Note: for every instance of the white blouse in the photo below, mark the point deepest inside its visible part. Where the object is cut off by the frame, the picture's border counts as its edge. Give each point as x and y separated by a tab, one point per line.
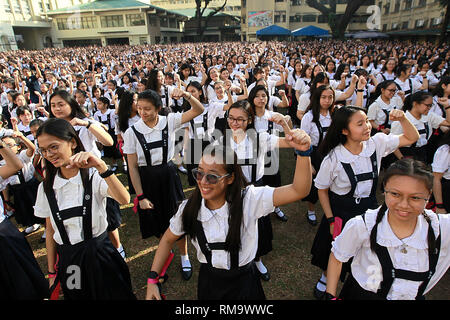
131	144
354	241
27	169
69	194
375	111
332	175
258	202
441	161
310	127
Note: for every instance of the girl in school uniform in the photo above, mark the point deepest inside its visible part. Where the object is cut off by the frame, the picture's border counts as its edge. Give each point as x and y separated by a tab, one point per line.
22	187
63	106
259	101
21	278
221	218
150	147
156	83
436	72
417	107
388	71
302	84
406	83
399	250
72	199
294	76
107	117
441	175
316	124
348	175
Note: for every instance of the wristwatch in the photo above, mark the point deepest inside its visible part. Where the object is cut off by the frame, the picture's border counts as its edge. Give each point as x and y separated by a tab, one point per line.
153	275
306	153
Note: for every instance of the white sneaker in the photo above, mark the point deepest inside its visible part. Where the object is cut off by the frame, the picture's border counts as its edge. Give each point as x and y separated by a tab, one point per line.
122	252
125	166
32	228
182	169
9	214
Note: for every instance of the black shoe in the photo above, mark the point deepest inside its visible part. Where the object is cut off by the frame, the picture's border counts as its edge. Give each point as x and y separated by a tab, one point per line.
282	217
311	222
319	295
265	276
186	273
42	240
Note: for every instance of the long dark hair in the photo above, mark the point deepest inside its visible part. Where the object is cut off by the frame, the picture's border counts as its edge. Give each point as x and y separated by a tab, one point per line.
382	85
314	105
152	81
233	195
63	130
339	121
410	168
124	112
247	108
252	96
418	97
74	106
438	91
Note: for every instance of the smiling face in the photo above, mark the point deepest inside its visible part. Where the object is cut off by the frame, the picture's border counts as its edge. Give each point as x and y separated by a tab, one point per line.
405	197
213	193
147	111
358	128
238	120
56	150
389	92
424	106
60	108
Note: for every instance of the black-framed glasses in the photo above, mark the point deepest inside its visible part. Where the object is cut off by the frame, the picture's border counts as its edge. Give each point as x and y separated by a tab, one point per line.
238	120
51	150
412	200
210	177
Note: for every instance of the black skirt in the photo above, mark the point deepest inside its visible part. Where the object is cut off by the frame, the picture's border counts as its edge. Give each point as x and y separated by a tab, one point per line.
113	217
265	232
345	208
93	270
351	290
416	153
243	283
446	194
316	161
112	151
162	187
21	278
24	198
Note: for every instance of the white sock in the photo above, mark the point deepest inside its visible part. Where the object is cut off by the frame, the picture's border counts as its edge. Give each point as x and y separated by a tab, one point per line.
312	215
279	212
185	263
261	267
320	286
45	233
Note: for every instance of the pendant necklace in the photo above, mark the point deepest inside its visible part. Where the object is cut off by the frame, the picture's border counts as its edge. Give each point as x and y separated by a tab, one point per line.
403	248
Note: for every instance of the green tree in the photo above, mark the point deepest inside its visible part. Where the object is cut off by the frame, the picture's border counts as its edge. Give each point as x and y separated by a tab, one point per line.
202	22
338	23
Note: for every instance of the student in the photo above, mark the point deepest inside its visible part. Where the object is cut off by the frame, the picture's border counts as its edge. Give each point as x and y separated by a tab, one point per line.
72	199
441	175
150	147
63	106
388	71
223	214
259	101
317	121
21	277
417	107
23	186
107	117
347	178
406	84
400	249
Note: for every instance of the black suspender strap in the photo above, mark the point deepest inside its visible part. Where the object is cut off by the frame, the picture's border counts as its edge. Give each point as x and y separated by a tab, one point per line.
84	211
203	124
425	130
21	176
321	130
148	146
207	247
354	179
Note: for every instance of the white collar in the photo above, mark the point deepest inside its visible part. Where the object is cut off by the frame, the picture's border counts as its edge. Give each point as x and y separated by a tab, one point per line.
206	214
60	182
346	156
144	129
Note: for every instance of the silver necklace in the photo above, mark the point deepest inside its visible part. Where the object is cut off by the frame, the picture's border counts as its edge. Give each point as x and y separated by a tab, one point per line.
403	247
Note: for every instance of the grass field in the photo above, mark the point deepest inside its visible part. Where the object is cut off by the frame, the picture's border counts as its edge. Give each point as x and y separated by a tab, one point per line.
292	275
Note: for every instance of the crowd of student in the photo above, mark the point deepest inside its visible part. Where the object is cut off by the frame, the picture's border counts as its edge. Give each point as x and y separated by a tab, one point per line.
219	113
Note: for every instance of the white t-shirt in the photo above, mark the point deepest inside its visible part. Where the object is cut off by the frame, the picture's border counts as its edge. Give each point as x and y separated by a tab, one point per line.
441	161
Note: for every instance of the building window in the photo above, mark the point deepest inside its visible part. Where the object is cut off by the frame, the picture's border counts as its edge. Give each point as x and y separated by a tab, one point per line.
111	21
309	18
280	16
408	4
436	21
135	19
296	2
394	26
7	8
88	23
62	24
422	3
296	18
397	6
322	19
405	25
16	6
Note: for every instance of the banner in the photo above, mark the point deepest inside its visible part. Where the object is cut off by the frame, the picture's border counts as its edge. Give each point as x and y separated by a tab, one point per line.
260	18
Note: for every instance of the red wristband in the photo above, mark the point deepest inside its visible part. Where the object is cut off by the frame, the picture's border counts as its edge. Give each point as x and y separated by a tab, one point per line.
51	275
152	281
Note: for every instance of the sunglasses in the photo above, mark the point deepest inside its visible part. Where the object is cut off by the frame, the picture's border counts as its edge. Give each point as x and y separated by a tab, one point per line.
210	177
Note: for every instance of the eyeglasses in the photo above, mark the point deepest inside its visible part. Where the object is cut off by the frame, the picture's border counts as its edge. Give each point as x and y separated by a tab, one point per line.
11	145
210	177
429	105
238	121
51	150
392	90
412	200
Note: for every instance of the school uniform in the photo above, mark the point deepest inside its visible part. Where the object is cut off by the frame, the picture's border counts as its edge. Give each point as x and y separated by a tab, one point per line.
23	189
305	99
351	181
108	119
302	85
155	148
409	86
227	275
251	153
441	164
438	133
21	278
396	269
78	217
434	77
25	131
317	132
368	89
419	150
383	76
379	112
215	110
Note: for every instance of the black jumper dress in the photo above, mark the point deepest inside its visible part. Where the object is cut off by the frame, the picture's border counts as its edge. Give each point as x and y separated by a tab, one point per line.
418	153
196	144
24	197
351	289
103	273
21	278
161	185
316	160
345	207
238	283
